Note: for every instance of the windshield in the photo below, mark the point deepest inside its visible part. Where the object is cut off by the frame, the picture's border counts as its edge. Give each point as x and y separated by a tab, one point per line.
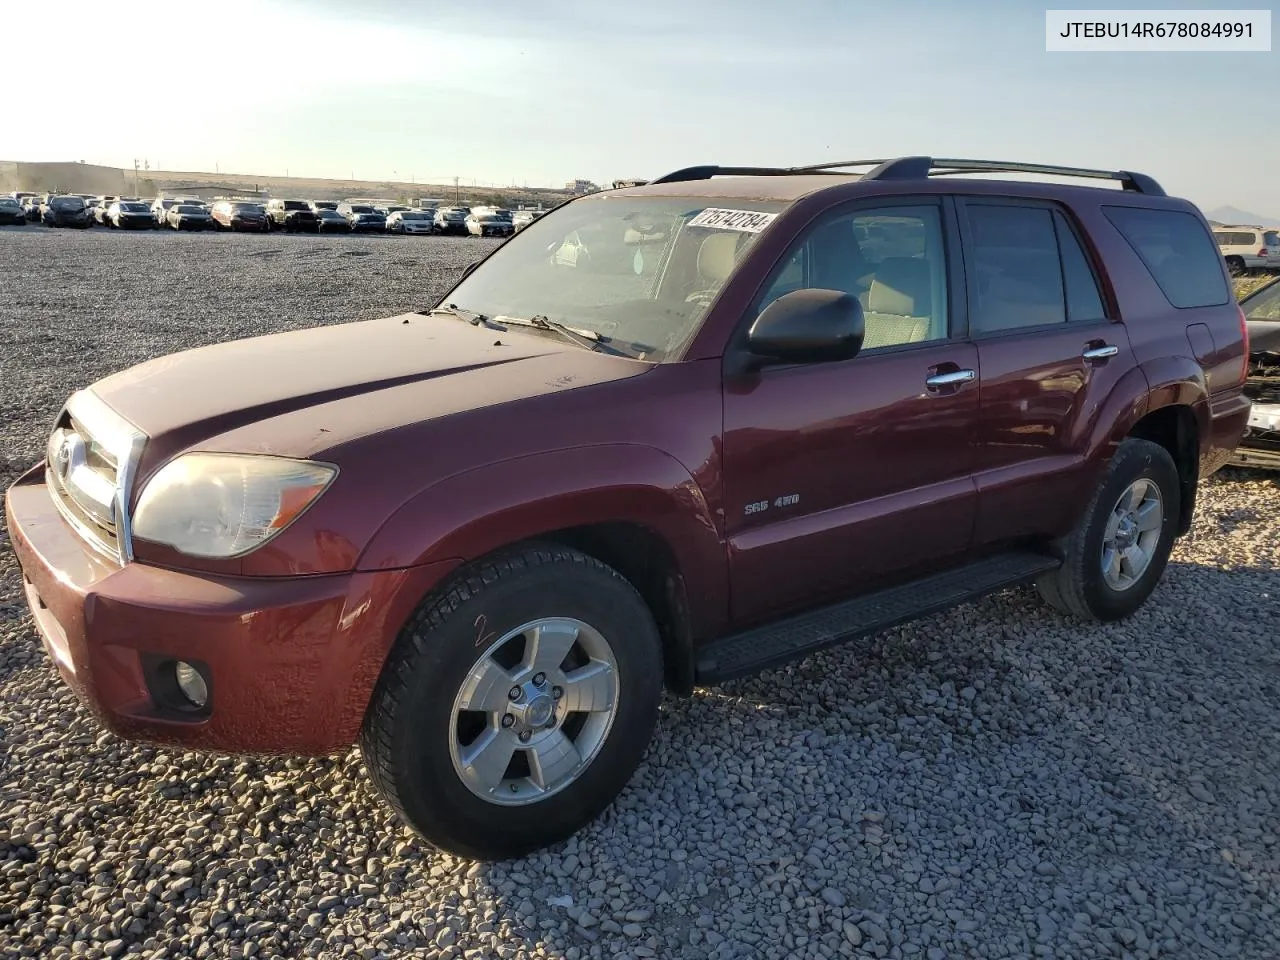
360	208
405	215
295	205
641	271
325	205
8	202
133	207
67	203
189	208
247	207
1265	304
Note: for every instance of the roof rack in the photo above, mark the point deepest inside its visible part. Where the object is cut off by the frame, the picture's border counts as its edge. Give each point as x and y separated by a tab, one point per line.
918	168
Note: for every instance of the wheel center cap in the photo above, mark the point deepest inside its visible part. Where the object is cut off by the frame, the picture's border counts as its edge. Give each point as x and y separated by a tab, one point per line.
539	711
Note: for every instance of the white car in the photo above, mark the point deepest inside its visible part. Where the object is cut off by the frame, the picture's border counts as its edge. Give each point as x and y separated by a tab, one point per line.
1248	247
411	221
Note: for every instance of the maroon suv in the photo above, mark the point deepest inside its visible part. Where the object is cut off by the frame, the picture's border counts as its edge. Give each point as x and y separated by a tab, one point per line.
668	434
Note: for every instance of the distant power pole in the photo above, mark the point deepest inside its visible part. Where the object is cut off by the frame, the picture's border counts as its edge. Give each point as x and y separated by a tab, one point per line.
135	177
457	193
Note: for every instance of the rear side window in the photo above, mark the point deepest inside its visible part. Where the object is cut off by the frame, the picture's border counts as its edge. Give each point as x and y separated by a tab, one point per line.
1271	238
1084	302
1017	276
1178	253
1233	239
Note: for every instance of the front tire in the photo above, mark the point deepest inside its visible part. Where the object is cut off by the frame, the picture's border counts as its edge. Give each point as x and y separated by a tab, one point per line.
1115	556
516	704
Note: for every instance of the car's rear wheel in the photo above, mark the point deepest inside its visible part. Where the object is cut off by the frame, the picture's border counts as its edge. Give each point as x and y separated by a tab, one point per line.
1235	266
516	704
1118	551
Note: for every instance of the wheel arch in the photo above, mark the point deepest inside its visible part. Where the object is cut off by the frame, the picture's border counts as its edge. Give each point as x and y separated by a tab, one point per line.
630	506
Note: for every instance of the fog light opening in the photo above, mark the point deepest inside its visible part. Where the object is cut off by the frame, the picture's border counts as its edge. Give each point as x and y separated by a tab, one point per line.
191	684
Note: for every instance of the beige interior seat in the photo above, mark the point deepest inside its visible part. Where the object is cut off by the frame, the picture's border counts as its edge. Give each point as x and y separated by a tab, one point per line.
716	258
899	303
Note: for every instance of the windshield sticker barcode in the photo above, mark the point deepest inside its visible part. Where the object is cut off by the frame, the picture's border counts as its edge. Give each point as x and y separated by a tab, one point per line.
748	221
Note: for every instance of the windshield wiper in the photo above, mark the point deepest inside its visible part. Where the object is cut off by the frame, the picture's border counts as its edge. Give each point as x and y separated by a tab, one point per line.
471	316
583	338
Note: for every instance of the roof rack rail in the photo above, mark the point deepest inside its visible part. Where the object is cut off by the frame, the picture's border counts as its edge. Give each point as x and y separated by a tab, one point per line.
918	168
707	171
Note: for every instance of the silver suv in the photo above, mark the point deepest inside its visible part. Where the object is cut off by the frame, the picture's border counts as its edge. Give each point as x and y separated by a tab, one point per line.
1248	248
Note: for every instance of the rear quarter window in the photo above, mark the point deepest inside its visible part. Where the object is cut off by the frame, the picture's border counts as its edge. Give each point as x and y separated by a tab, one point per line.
1233	239
1177	251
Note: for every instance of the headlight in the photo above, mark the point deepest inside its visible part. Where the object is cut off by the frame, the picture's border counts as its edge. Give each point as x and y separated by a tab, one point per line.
224	505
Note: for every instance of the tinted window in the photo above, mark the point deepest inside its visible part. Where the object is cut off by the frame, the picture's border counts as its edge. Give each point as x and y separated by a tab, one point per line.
891	259
1017	273
1178	252
1232	239
1271	238
1084	302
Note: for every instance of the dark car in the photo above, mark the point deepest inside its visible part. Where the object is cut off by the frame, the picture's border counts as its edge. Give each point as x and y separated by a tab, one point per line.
1260	446
290	215
11	212
65	210
130	215
331	221
452	219
665	435
239	215
364	218
188	216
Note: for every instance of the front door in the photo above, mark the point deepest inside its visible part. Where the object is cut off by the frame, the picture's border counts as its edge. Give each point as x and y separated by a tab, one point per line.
1050	356
840	476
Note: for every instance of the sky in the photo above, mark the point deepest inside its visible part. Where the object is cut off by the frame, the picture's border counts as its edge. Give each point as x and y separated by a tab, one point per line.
509	92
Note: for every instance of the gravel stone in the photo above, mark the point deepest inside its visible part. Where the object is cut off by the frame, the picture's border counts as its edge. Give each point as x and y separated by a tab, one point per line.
995	781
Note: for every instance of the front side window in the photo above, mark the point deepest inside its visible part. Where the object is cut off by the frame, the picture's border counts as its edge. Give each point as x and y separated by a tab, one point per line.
641	271
891	258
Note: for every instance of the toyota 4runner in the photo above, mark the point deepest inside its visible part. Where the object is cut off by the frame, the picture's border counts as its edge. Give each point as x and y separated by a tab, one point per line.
667	435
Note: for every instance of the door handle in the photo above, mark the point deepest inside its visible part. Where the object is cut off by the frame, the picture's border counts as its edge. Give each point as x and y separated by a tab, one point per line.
1101	352
950	378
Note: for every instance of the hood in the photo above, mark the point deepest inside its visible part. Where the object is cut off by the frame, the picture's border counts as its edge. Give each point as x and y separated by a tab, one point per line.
324	386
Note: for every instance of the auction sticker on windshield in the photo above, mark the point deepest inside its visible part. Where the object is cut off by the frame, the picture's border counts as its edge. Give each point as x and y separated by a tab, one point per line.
748	221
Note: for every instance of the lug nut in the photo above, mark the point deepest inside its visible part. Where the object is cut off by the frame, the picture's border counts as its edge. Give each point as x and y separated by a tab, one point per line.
539	679
508	720
524	736
557	693
513	693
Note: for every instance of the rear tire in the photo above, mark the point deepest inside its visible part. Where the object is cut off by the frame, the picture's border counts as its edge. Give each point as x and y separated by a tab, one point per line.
1108	569
1235	266
430	716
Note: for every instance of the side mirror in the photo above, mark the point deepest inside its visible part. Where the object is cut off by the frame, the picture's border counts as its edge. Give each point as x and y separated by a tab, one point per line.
469	269
808	326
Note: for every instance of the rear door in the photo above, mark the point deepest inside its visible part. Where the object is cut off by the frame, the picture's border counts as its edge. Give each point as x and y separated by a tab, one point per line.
1050	354
840	476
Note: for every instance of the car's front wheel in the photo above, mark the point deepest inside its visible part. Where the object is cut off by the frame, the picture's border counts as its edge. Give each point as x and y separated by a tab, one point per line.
1115	556
516	704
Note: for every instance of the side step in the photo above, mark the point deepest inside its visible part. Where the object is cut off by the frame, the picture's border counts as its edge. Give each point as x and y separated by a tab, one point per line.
775	643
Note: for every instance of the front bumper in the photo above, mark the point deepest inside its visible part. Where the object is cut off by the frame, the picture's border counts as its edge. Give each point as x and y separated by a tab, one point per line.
291	662
1260	446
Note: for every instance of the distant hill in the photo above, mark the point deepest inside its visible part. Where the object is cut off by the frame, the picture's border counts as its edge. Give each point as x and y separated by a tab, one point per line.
1229	214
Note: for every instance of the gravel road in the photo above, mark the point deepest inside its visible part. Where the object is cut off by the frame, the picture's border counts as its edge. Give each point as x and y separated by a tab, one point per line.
994	782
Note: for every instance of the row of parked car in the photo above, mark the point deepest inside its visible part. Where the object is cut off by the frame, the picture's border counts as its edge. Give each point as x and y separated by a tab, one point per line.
293	216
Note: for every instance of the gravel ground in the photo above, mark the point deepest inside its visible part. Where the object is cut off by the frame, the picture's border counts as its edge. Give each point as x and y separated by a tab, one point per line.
997	781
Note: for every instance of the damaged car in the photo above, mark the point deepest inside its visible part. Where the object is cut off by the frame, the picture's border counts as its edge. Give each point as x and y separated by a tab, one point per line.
1260	446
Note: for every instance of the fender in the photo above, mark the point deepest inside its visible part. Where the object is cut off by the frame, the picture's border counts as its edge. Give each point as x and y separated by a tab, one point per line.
1164	382
472	513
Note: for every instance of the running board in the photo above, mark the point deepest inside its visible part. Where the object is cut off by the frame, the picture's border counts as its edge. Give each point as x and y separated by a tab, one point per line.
776	643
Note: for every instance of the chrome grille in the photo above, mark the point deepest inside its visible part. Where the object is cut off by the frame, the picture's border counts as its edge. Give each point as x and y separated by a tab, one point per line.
91	457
